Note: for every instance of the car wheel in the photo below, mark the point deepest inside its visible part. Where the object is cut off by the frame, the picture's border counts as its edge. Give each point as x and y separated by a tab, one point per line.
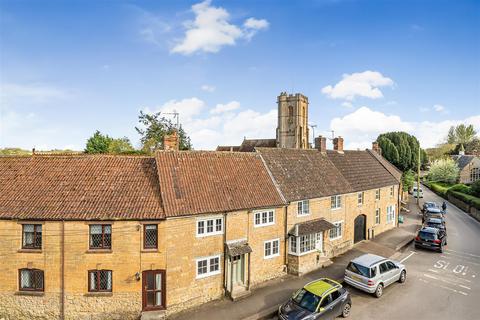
403	277
346	310
379	291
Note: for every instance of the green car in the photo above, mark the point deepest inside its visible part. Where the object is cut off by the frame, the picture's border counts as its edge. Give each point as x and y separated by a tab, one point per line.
319	299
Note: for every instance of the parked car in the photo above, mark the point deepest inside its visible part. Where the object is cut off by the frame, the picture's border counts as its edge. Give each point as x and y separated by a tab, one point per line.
319	299
429	204
372	273
435	223
431	238
432	213
417	192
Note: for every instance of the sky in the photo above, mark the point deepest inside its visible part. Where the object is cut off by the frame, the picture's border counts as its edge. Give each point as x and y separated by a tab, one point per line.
69	68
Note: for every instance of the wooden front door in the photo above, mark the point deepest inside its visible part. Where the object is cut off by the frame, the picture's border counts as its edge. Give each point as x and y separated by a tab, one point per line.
153	290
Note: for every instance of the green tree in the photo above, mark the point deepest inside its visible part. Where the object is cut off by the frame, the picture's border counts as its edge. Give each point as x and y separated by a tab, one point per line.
408	180
98	143
120	145
154	127
443	170
461	134
401	149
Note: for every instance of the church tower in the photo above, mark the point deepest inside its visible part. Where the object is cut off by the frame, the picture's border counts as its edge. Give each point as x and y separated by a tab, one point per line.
292	130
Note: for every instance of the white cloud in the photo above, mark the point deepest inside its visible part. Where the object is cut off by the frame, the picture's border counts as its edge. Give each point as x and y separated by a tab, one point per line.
436	107
225	124
211	30
208	88
439	108
363	125
347	104
221	108
187	108
364	84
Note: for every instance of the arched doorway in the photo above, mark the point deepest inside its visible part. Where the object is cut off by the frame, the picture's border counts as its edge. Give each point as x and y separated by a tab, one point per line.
359	233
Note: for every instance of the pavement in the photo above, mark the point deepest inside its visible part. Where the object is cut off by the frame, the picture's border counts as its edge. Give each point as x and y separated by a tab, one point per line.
264	300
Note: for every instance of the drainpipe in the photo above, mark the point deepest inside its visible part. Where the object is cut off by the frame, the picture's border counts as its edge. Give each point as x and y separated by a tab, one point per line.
62	272
225	265
285	255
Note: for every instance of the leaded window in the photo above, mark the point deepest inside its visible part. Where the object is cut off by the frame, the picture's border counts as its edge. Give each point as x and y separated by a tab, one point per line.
30	280
32	236
100	280
150	236
100	236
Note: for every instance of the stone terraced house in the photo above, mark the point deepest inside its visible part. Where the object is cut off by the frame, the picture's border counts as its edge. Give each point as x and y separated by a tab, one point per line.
122	237
112	237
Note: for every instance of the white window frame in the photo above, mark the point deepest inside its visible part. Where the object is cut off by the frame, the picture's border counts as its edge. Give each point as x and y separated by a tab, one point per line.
390	214
301	211
208	273
313	242
338	202
378	194
377	215
271	255
270	215
474	174
205	221
360	198
338	236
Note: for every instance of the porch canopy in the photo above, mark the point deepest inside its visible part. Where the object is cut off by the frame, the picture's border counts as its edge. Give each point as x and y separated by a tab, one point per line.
238	248
309	227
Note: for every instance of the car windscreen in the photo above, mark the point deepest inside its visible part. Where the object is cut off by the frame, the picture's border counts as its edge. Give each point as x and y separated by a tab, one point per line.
358	269
435	225
306	300
427	235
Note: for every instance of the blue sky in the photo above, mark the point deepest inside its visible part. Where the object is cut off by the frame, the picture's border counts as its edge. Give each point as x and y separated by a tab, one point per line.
68	68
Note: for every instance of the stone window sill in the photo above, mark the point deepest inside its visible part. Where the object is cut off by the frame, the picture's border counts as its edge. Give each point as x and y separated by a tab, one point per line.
149	250
99	251
29	251
30	293
98	294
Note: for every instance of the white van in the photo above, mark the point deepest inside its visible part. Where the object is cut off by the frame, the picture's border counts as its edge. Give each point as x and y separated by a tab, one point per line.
417	192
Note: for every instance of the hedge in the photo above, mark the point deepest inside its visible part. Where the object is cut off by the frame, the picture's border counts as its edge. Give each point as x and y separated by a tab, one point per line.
471	200
439	189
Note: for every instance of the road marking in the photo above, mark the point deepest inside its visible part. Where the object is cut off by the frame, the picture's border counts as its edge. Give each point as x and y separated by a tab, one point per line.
462	252
464	287
404	259
446	281
460	257
434	271
447	288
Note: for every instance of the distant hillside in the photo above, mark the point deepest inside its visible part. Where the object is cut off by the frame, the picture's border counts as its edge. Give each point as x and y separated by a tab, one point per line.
21	152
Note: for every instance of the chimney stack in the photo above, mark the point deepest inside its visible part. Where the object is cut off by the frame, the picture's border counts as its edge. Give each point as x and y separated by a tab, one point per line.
171	141
338	144
321	144
376	147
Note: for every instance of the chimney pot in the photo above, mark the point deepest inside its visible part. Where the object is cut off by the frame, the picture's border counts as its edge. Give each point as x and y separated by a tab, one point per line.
376	147
338	144
171	141
321	144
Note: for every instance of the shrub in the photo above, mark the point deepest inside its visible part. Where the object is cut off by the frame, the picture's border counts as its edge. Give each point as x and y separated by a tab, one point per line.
439	189
475	188
461	188
443	170
471	200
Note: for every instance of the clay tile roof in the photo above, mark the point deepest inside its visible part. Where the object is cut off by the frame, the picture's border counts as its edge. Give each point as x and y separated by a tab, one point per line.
193	182
79	187
228	148
394	171
249	145
309	227
362	169
304	174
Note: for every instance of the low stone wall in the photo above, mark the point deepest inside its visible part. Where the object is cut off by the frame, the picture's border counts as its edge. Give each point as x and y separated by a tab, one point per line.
459	203
22	307
119	306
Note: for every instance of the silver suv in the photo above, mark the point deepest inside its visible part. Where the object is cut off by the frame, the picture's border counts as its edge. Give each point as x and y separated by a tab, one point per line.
372	273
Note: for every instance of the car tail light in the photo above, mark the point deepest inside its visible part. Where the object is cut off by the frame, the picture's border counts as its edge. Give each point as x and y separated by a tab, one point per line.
370	283
417	238
437	241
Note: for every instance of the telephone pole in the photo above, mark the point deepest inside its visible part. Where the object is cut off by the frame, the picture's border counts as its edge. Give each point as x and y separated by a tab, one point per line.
418	176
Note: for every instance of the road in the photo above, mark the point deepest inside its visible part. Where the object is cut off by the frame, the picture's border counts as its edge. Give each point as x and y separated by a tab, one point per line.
439	286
